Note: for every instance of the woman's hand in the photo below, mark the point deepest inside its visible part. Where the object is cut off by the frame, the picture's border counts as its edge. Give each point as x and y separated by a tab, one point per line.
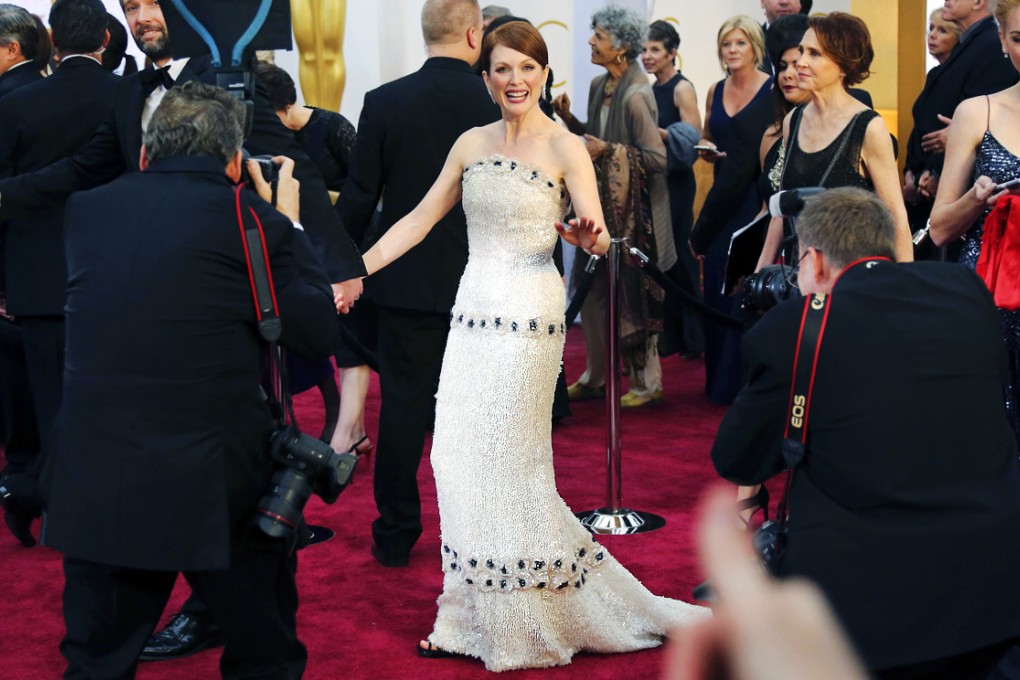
928	184
561	105
582	232
984	191
596	147
708	151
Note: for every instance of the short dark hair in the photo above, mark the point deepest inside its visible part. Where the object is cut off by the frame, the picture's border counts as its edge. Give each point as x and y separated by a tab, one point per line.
17	25
663	31
518	35
278	83
79	26
847	224
847	41
117	47
195	119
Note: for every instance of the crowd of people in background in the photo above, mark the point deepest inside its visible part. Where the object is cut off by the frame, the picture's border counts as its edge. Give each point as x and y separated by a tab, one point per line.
791	111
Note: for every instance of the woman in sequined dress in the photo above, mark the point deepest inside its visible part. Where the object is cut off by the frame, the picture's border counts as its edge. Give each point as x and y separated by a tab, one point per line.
525	585
983	150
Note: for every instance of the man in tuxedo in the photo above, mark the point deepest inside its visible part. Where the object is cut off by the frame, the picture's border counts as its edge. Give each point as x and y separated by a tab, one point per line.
975	67
160	460
114	148
19	39
74	101
906	505
394	160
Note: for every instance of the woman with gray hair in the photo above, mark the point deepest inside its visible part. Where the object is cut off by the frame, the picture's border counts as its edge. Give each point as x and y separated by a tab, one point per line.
622	136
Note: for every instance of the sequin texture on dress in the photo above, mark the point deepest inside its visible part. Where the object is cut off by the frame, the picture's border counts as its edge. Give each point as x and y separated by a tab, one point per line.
524	585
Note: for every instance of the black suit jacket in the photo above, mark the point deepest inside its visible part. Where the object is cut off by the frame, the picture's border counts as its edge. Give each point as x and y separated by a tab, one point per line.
907	505
162	436
974	67
114	149
17	77
406	130
44	122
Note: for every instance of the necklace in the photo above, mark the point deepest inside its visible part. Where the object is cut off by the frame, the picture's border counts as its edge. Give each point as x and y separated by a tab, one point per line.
610	88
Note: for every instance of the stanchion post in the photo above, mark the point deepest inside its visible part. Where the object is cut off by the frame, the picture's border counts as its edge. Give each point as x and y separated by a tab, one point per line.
614	518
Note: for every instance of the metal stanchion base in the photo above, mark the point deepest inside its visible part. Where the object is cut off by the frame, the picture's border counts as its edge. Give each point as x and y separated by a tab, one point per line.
622	521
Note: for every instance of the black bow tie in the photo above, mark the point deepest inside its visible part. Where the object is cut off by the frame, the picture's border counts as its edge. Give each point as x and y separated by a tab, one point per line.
154	77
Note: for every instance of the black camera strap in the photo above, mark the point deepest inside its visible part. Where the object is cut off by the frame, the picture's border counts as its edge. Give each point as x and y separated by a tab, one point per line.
263	292
805	364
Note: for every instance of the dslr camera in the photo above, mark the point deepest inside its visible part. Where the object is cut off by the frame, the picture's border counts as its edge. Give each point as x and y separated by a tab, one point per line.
768	287
270	170
774	283
307	465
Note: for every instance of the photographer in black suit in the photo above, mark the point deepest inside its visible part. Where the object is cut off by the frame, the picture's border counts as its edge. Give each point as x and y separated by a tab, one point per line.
394	160
906	507
73	101
162	437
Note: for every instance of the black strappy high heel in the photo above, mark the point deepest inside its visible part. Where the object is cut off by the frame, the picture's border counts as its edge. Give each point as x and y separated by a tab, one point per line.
759	501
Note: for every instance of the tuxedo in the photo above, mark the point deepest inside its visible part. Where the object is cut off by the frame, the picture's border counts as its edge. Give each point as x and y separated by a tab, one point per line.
976	66
23	74
115	146
162	438
906	507
395	161
73	101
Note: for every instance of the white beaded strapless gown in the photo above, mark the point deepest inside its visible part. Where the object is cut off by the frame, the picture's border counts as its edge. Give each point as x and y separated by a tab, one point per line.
525	585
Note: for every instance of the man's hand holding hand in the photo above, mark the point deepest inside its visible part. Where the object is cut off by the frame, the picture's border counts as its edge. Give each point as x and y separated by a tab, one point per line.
346	293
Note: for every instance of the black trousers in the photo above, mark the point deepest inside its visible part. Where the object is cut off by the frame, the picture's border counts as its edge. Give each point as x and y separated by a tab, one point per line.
44	359
410	353
20	432
110	613
980	664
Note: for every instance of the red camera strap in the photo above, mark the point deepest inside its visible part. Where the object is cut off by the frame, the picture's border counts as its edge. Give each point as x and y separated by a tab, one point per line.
805	365
259	274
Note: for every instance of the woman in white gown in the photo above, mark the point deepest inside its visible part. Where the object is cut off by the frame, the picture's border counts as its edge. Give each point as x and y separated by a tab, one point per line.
525	584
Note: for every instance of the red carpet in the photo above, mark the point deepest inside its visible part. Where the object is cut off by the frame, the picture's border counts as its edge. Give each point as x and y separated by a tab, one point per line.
360	620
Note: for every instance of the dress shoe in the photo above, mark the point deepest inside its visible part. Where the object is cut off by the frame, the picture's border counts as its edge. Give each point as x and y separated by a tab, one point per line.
635	400
183	636
19	521
581	392
387	560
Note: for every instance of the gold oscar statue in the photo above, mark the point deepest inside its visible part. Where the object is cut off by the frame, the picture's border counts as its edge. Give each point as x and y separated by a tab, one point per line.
319	32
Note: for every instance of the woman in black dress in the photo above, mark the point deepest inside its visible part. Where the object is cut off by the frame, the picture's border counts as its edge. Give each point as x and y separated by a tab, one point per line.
834	140
678	103
328	138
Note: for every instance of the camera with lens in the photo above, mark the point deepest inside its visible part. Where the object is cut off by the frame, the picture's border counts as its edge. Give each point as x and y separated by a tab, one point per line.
308	466
770	543
270	170
768	287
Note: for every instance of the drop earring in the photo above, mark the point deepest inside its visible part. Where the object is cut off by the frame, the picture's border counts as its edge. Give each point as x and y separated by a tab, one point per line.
492	97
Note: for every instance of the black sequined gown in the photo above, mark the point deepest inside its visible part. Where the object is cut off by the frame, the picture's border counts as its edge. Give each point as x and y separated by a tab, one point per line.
996	162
